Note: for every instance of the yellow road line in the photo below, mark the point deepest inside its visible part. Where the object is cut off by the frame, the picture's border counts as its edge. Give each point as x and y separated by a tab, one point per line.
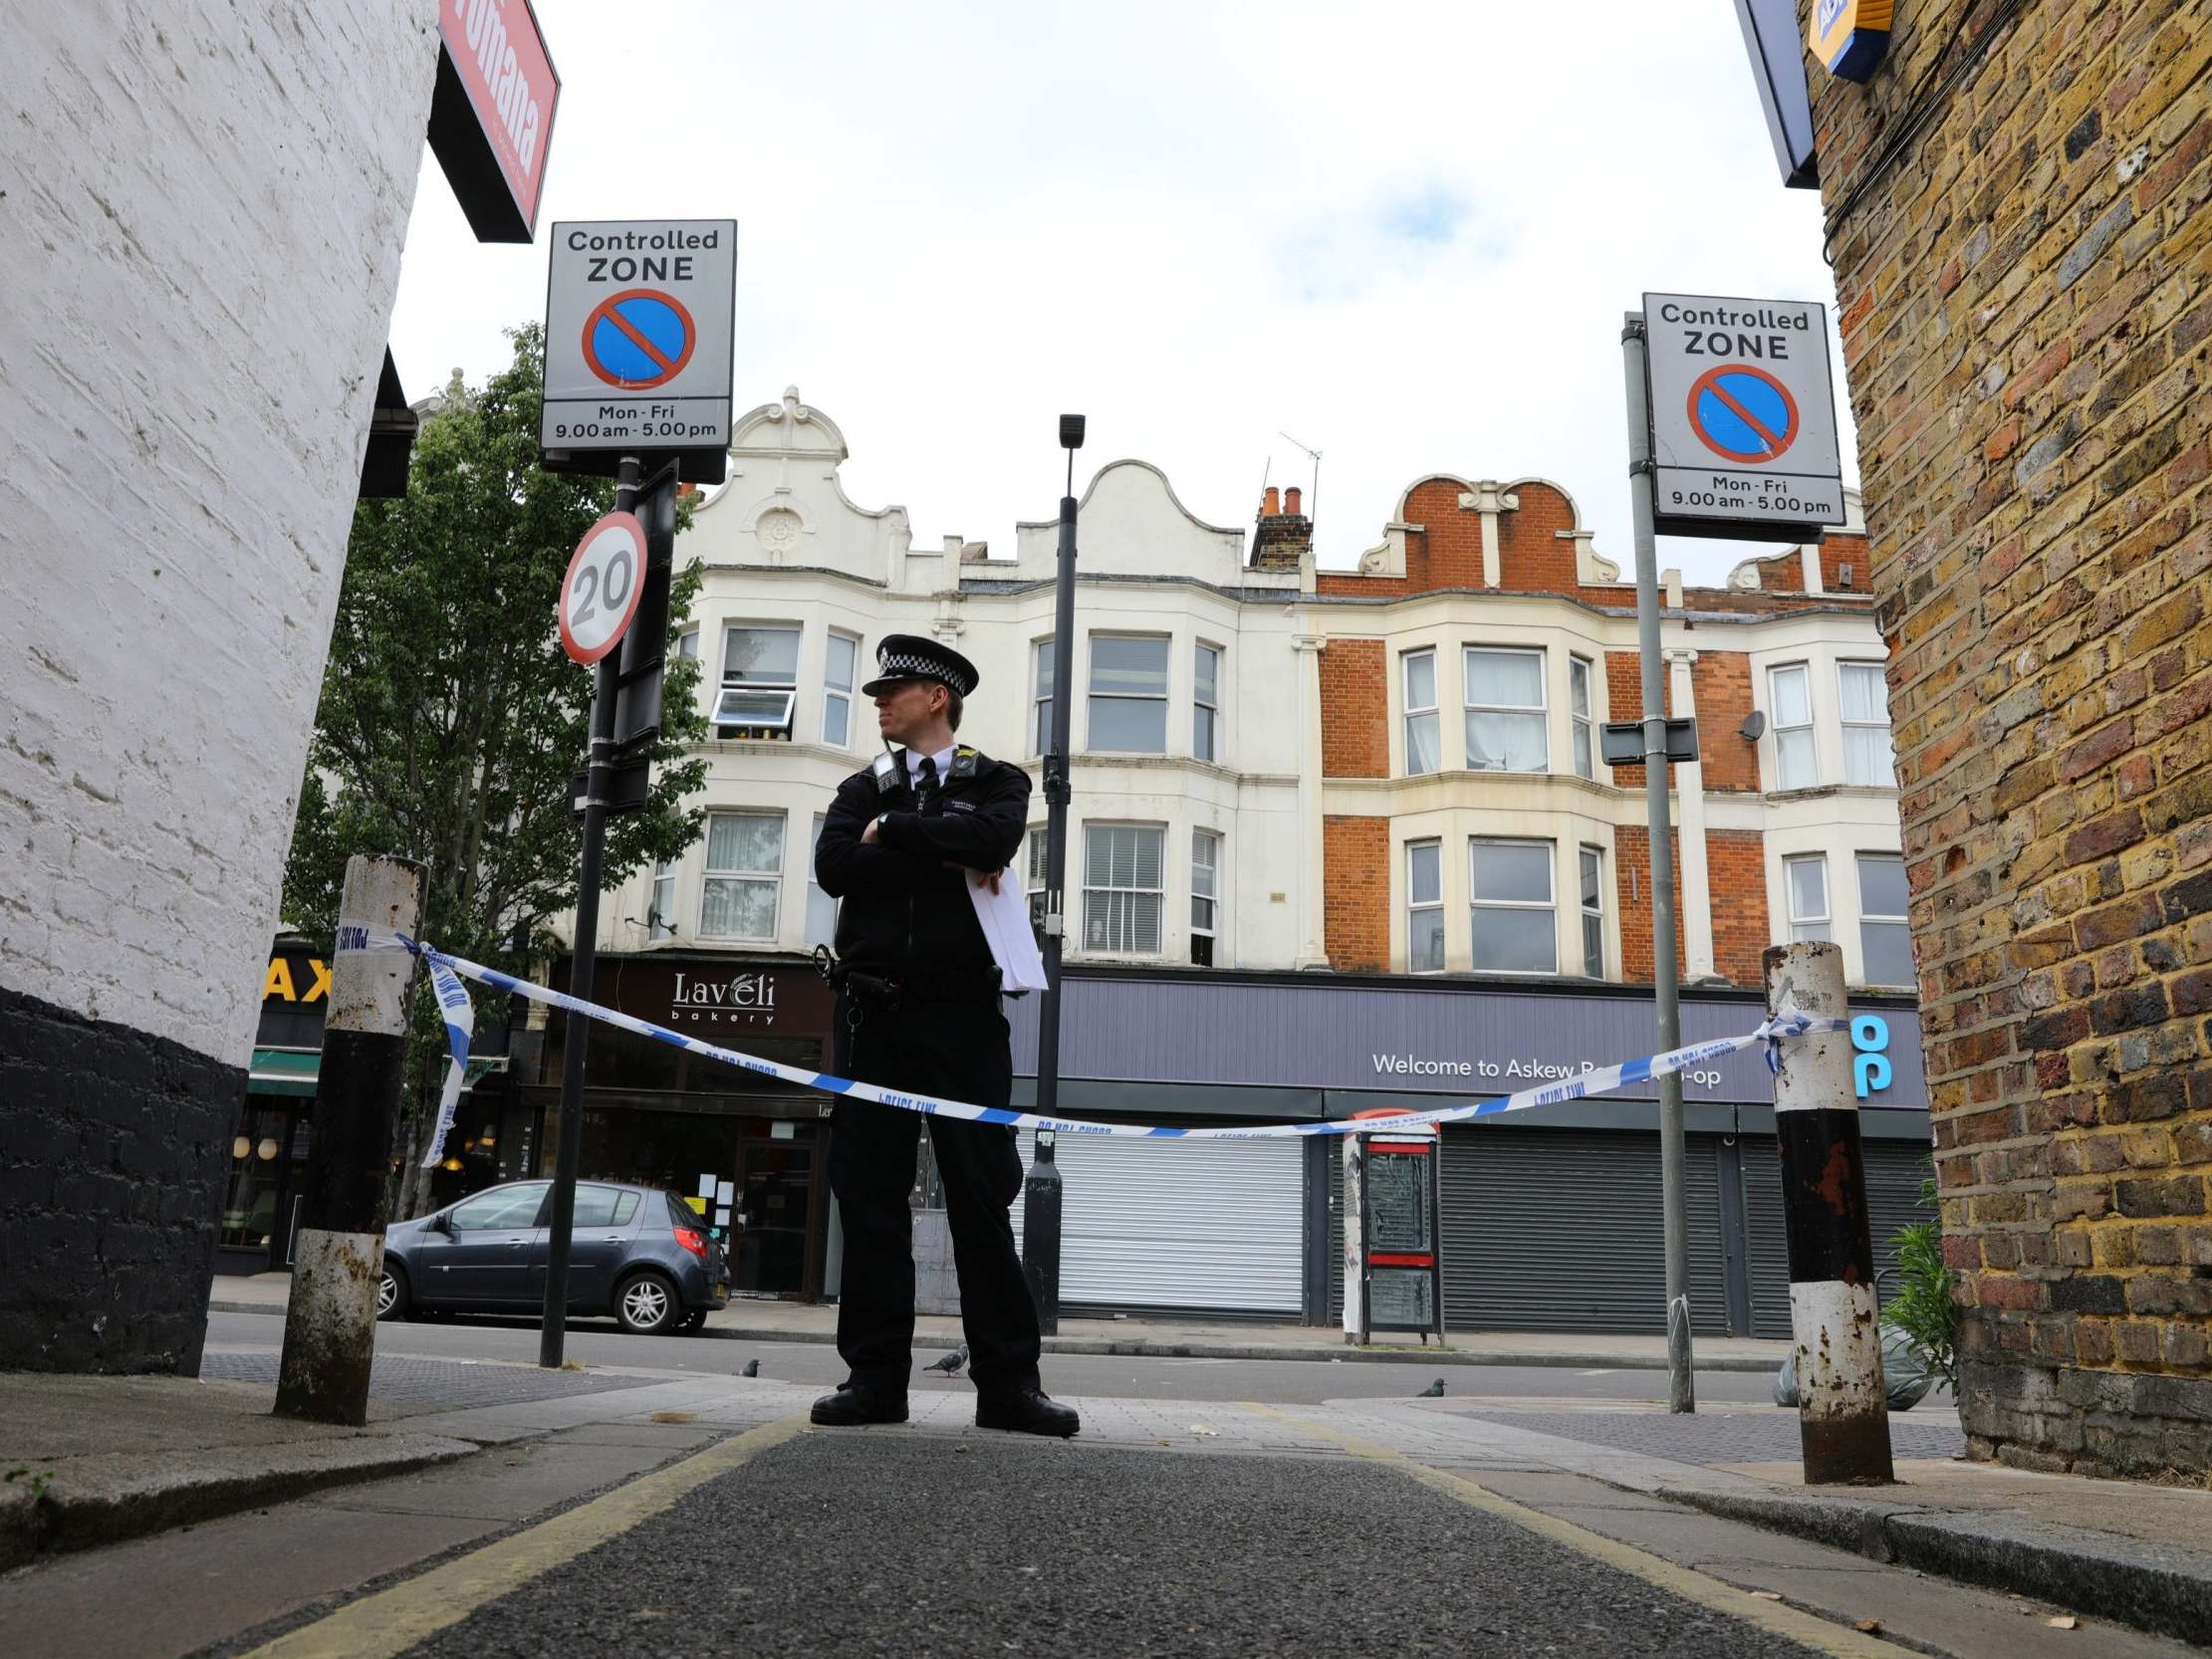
1808	1629
396	1619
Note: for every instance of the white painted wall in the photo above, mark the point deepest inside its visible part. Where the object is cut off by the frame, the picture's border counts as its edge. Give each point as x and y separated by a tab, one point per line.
205	207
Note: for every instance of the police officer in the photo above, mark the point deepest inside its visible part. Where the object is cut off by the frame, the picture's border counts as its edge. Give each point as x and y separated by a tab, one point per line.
918	1005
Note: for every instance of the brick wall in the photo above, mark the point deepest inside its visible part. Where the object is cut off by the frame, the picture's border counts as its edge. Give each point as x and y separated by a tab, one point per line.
190	477
2025	302
1356	892
1625	697
1631	869
1354	710
1721	684
1736	875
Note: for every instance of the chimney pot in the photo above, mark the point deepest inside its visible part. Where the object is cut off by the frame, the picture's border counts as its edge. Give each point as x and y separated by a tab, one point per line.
1290	501
1270	506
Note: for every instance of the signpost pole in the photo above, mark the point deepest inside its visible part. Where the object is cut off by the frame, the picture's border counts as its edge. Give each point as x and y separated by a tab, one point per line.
569	1143
1673	1169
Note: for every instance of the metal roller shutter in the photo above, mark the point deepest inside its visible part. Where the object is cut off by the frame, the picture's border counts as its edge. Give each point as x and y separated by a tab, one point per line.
1894	1171
1162	1224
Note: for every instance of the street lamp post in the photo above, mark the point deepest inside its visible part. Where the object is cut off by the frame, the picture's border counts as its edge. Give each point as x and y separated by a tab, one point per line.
1056	829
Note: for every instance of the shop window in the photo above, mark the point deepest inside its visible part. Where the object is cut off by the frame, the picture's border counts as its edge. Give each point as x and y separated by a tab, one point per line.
1579	706
822	909
744	865
1041	698
1205	696
1205	889
1511	907
1129	693
1885	936
1868	758
1790	692
1424	908
760	684
1805	882
1419	669
1594	911
1505	711
1124	894
660	914
837	690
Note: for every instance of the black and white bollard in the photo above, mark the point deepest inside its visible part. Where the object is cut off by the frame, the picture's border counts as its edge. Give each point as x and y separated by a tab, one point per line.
1842	1411
1041	1196
330	1325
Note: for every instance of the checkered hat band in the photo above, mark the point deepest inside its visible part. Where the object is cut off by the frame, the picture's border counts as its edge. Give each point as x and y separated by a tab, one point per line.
894	664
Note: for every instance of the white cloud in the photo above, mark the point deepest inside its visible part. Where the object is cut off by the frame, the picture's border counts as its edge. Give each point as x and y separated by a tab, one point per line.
1404	233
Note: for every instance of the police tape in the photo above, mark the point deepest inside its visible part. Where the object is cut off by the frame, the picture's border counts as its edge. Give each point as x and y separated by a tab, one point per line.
453	1000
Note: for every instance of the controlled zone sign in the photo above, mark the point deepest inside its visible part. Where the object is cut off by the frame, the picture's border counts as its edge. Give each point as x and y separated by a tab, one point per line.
599	596
1743	418
639	327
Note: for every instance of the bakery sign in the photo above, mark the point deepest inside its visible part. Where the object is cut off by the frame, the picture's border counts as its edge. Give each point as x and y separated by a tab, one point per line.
739	999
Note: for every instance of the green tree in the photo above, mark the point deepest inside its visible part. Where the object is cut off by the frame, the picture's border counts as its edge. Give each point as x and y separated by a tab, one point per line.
451	722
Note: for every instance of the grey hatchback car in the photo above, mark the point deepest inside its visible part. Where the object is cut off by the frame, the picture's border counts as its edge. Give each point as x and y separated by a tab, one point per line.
637	1253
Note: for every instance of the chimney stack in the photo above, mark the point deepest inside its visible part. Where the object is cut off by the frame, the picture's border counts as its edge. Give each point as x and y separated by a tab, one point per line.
1284	533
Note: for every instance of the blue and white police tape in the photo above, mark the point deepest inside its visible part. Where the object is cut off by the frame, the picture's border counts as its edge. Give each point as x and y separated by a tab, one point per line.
1600	1080
460	1021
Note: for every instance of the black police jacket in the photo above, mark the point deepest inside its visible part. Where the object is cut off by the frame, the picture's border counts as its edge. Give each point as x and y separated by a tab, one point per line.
904	912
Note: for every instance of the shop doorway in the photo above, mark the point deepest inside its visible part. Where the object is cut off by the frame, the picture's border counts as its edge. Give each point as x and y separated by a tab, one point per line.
776	1199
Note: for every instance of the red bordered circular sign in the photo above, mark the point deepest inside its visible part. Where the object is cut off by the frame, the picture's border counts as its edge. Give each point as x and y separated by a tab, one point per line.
599	596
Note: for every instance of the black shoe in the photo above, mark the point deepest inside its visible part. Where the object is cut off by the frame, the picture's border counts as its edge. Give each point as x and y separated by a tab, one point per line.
856	1402
1027	1411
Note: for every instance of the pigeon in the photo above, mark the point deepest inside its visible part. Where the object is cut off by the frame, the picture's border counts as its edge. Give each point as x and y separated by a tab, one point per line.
952	1362
752	1369
1434	1391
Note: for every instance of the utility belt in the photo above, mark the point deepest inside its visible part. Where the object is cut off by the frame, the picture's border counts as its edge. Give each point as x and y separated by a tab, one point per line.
886	994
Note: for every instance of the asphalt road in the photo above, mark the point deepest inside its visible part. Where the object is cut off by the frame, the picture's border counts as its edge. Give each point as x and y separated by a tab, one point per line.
856	1544
1284	1381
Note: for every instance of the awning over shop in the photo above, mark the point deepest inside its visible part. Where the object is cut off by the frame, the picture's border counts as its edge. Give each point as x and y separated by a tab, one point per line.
292	1070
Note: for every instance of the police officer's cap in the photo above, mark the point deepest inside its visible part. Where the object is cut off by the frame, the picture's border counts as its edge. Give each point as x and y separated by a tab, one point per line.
909	656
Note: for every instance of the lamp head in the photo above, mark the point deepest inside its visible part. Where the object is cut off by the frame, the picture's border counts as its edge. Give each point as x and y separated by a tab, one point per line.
1070	431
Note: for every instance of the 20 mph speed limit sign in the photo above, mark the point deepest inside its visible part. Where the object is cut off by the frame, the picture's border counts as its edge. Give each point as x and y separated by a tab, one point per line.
599	596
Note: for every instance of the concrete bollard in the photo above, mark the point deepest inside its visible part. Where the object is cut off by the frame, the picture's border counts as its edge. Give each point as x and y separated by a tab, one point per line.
1842	1409
1041	1208
330	1326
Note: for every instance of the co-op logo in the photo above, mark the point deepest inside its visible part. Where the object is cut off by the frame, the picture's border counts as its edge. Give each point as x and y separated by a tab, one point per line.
1871	1065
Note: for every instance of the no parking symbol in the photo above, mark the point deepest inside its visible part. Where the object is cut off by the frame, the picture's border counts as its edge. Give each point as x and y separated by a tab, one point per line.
638	339
1743	414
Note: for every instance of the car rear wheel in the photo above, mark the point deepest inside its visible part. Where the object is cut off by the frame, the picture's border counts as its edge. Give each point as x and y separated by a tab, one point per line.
391	1294
645	1304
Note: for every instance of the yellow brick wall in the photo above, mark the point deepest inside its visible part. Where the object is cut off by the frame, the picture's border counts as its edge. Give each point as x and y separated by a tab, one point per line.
2025	302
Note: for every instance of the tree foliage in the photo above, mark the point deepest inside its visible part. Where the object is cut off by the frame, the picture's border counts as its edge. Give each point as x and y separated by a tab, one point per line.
450	721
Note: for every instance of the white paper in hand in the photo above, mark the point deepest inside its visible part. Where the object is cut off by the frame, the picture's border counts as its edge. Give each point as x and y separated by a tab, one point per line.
1005	919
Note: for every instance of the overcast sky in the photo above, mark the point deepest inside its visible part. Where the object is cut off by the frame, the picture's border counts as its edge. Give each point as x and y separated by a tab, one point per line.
1403	233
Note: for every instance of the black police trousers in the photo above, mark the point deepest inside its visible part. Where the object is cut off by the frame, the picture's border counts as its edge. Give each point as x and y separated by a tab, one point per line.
956	1051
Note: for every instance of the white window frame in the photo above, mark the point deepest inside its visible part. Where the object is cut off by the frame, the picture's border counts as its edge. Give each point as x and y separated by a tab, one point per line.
1205	887
661	901
1550	906
1808	730
1589	858
759	706
1159	893
814	934
1867	916
1420	711
1038	869
1417	905
1043	660
1887	775
1541	709
1094	697
773	878
1205	716
834	696
1808	926
1582	722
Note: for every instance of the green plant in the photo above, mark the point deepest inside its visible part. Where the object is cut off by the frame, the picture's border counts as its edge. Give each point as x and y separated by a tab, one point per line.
1922	1308
38	1482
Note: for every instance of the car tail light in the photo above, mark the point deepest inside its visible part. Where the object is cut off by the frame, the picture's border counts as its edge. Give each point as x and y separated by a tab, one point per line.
692	1240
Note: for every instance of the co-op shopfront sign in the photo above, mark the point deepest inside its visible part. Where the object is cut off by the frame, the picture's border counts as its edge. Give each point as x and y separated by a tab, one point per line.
1412	1039
1742	417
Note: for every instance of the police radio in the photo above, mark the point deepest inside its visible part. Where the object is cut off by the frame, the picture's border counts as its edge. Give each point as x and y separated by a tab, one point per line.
890	775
